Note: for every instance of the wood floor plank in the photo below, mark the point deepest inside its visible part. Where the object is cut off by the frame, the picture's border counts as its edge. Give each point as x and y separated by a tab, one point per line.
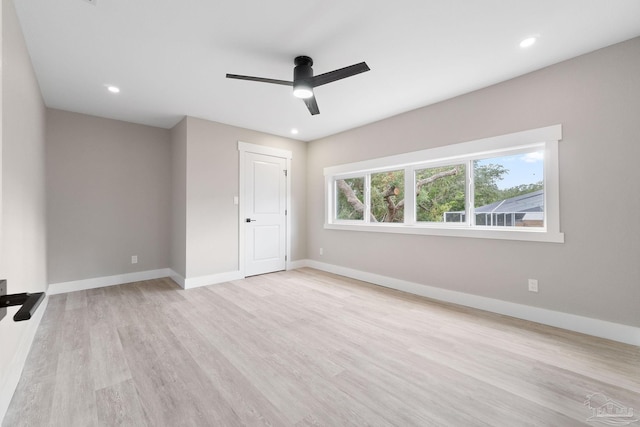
119	405
33	407
173	388
306	348
246	358
55	309
74	329
108	362
76	300
99	307
43	356
252	407
73	397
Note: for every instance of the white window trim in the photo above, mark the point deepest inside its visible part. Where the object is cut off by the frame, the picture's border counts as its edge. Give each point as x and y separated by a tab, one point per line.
546	138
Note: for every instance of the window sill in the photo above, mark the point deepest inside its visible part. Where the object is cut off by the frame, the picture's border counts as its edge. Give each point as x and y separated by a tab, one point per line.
531	235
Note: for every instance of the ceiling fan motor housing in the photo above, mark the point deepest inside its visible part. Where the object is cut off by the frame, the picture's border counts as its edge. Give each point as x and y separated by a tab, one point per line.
302	70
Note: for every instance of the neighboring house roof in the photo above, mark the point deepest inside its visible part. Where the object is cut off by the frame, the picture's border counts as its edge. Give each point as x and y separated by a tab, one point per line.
530	202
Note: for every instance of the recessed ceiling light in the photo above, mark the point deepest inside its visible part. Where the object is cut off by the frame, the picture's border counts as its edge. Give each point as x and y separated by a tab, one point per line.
294	131
528	42
113	89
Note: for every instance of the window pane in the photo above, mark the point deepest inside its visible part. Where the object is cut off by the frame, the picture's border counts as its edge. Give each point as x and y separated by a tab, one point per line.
509	190
350	198
441	194
387	196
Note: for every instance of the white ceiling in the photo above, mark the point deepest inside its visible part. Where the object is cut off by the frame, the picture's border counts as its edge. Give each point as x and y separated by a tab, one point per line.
170	57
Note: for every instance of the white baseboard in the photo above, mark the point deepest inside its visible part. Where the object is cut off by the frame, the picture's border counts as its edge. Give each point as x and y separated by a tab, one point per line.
14	370
177	278
119	279
292	265
213	279
586	325
100	282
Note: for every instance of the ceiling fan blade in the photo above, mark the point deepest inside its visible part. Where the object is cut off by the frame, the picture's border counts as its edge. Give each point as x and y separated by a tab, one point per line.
260	79
340	74
312	105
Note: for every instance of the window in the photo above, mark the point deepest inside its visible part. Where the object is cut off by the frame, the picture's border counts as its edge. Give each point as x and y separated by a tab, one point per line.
504	187
387	196
349	196
440	194
509	190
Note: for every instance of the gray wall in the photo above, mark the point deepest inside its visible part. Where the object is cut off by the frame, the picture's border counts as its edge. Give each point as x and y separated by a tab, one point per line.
179	198
108	196
212	182
23	233
596	273
117	189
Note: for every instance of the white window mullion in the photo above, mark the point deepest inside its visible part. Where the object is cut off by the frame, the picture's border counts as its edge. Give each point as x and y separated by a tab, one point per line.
367	198
551	192
470	196
409	196
332	194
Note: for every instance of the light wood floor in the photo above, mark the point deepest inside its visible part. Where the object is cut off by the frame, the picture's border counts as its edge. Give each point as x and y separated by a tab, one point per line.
306	348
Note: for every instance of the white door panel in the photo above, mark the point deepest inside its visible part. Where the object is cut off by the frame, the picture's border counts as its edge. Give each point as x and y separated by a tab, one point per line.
266	242
266	187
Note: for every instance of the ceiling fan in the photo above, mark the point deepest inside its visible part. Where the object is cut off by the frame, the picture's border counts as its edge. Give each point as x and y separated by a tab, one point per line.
304	81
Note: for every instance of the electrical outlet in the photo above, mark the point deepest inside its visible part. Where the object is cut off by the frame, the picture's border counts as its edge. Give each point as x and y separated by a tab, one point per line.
321	251
134	259
533	285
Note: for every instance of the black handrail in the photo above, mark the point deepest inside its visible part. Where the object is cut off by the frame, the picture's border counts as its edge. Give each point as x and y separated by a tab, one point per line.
29	303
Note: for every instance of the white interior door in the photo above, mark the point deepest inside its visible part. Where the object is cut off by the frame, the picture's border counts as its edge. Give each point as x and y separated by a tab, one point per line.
265	213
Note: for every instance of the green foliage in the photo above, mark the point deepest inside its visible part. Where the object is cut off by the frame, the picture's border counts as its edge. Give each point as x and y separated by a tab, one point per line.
486	183
442	195
507	193
387	182
344	210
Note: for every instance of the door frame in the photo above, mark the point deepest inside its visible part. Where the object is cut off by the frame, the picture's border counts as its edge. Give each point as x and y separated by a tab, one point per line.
243	148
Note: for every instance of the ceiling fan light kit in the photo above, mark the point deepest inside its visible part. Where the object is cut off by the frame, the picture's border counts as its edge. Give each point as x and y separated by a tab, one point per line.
302	90
304	80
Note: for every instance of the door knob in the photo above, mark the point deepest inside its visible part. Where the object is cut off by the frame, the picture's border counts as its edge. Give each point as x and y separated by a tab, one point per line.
249	220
